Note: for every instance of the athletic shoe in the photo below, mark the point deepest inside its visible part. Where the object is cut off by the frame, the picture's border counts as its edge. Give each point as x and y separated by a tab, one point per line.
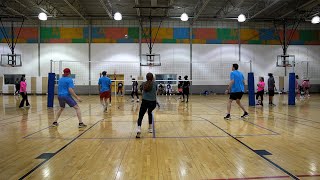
182	101
245	115
105	108
132	100
227	117
138	135
150	130
55	124
137	100
81	125
110	104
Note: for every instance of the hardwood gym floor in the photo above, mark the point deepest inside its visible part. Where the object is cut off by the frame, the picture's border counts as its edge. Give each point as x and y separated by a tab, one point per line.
193	141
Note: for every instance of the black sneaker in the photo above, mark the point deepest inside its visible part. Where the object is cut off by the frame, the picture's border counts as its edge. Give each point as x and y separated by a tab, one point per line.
227	117
245	115
55	124
81	125
138	135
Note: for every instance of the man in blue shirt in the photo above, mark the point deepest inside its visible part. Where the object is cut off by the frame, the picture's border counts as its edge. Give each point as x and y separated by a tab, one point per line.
236	89
104	89
65	93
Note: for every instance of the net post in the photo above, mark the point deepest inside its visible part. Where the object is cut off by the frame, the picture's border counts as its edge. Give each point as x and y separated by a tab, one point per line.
292	87
251	89
51	64
153	129
51	81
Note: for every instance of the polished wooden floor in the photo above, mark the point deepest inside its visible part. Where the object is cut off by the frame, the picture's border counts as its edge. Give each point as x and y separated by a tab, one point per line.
192	141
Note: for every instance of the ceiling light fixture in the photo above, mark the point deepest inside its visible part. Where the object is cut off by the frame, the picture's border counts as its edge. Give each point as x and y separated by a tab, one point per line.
242	18
42	16
117	16
315	20
184	17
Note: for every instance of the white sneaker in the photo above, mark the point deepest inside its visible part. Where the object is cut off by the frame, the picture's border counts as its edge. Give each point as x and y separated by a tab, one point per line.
150	130
132	100
137	100
110	104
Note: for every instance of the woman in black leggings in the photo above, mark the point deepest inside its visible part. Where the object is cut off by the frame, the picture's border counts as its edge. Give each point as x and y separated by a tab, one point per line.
149	102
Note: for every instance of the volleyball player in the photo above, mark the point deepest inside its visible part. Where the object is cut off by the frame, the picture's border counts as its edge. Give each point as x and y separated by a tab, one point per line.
149	101
65	93
236	89
104	85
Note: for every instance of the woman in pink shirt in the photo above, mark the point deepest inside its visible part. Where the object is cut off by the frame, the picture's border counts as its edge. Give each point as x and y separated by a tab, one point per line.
23	92
260	92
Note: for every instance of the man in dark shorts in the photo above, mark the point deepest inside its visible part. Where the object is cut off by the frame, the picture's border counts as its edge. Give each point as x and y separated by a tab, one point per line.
236	89
104	89
65	90
271	87
120	87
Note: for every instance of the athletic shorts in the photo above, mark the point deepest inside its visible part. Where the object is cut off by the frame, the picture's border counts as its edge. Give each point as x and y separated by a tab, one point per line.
236	95
105	95
271	92
180	90
63	100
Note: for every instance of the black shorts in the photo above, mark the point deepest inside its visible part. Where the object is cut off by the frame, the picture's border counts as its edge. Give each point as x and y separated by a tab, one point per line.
271	92
236	95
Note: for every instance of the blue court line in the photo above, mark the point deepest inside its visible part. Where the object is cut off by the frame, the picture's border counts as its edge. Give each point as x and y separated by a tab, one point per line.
247	146
52	126
39	165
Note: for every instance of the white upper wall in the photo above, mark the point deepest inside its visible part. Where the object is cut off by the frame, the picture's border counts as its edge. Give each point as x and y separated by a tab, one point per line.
211	62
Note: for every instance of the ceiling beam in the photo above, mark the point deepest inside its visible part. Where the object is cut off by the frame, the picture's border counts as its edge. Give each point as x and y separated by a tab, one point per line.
21	14
170	3
265	9
106	9
199	8
153	3
316	2
137	9
230	6
75	10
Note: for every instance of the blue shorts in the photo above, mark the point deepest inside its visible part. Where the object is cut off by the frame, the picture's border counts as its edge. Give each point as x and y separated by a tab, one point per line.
66	99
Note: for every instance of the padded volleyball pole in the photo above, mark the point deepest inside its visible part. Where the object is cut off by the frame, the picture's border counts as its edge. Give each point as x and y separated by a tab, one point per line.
251	89
292	89
51	80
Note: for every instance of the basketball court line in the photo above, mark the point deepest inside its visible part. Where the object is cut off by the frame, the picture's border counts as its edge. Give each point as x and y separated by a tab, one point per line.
43	162
59	122
265	177
286	114
36	112
243	120
248	147
159	137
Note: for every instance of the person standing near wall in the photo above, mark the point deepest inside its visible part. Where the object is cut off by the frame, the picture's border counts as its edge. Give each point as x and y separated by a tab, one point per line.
236	89
186	88
23	92
149	102
65	93
120	87
260	91
104	85
134	89
180	84
271	87
17	85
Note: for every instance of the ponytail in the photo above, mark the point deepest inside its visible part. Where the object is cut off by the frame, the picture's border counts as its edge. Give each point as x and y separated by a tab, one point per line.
149	84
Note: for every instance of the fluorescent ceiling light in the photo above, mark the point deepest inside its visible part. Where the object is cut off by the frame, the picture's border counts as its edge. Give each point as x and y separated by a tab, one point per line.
42	16
242	18
315	20
117	16
184	17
